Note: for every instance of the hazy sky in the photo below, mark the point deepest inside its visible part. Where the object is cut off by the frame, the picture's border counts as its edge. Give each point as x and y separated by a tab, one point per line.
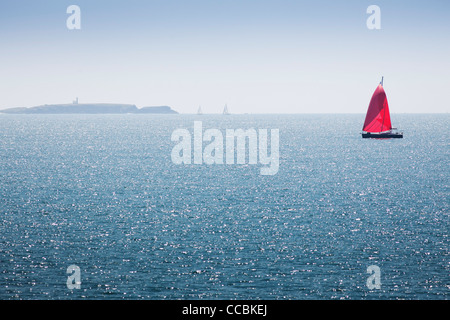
257	56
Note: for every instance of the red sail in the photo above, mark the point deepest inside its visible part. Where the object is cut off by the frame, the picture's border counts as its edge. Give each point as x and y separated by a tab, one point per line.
378	118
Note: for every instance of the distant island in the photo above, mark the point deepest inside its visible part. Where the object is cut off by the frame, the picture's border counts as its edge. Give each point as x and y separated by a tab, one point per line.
90	108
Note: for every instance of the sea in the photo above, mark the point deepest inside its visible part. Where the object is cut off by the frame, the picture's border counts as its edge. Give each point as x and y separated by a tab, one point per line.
94	207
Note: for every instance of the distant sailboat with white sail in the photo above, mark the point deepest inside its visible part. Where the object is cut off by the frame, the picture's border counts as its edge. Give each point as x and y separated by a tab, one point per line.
225	110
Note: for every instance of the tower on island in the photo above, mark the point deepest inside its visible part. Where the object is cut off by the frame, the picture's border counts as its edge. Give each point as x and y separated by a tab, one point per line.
75	101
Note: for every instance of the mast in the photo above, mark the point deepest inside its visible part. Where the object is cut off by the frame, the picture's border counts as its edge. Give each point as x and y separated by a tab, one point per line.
384	113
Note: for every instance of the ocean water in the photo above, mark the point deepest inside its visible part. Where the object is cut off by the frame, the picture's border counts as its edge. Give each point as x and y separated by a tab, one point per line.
101	192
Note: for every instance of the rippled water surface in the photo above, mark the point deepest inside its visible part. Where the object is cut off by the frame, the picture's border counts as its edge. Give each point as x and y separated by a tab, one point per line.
101	192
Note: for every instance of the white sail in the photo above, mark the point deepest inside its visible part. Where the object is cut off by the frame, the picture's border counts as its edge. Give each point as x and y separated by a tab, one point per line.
225	110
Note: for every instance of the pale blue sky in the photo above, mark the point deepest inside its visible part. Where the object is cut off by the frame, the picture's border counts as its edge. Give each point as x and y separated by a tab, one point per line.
258	56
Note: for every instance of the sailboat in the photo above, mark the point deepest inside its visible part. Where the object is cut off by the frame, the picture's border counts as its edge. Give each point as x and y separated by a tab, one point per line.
225	110
378	118
199	111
